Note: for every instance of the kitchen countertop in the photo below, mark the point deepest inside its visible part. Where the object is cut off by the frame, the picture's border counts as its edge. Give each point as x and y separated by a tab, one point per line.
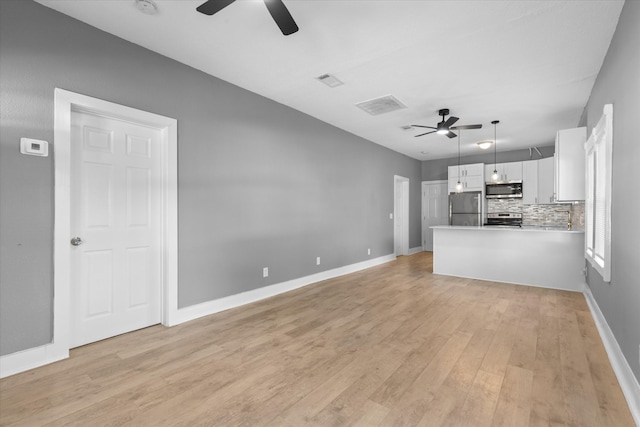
524	228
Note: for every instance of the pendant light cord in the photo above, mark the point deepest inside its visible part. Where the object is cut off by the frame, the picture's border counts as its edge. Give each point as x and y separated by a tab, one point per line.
459	133
495	144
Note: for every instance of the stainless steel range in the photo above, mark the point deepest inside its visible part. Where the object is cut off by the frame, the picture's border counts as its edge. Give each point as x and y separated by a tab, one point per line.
506	219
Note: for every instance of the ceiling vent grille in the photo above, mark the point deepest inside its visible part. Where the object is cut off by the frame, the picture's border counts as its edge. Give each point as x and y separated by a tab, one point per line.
330	80
382	105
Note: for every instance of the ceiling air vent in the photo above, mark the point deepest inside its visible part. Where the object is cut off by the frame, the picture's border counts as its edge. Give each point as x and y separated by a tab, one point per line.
385	104
329	80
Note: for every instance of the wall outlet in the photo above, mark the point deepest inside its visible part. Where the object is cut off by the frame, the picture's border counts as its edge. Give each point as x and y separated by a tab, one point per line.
369	251
265	272
391	216
317	260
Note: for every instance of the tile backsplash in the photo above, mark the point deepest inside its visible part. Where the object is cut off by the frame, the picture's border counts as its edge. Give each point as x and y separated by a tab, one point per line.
543	215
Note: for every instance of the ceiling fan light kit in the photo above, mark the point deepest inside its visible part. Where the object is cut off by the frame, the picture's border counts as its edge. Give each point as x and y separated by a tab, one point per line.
445	126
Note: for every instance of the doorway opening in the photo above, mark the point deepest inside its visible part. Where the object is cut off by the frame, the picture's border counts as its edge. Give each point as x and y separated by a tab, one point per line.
401	215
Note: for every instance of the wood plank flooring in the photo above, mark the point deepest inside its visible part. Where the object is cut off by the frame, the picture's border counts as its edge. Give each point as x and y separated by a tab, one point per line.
393	345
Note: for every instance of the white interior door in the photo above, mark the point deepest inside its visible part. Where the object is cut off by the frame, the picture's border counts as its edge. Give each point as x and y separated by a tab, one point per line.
116	266
435	209
401	215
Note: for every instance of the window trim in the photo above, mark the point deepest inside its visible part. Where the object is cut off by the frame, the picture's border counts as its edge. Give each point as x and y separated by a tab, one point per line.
602	133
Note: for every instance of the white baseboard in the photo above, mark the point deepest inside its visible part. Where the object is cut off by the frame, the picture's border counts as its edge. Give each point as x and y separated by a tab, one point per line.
21	361
415	250
211	307
25	360
628	382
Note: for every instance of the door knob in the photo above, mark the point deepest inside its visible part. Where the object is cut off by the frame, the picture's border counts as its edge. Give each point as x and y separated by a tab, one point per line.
76	241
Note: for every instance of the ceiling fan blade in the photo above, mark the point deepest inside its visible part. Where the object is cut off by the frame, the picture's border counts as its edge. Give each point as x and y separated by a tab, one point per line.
212	6
451	120
422	134
465	127
281	15
451	134
420	126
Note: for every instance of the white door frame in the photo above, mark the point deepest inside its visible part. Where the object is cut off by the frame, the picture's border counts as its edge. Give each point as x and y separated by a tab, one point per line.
65	103
442	182
401	187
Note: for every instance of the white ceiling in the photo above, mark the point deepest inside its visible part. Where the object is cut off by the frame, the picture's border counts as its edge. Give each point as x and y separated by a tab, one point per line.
529	64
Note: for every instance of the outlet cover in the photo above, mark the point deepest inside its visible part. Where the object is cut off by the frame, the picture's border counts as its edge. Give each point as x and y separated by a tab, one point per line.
265	272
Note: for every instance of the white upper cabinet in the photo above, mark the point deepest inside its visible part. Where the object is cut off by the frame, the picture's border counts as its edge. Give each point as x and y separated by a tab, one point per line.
569	164
530	182
545	181
471	177
511	171
537	182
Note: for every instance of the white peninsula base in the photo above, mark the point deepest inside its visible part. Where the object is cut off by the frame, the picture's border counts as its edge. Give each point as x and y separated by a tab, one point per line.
546	258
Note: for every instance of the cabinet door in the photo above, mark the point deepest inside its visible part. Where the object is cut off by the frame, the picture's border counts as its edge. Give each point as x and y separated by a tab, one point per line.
569	168
475	169
452	184
530	182
512	171
488	171
473	183
546	181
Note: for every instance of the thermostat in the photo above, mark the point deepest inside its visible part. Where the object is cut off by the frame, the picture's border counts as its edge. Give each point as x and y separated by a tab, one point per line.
34	147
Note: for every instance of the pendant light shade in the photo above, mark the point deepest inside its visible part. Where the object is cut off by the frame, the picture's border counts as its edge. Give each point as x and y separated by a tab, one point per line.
495	176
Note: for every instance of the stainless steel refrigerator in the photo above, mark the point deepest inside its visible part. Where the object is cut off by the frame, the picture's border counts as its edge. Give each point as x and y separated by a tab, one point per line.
465	208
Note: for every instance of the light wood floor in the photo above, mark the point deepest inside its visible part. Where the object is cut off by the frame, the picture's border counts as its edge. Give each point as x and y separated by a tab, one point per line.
392	345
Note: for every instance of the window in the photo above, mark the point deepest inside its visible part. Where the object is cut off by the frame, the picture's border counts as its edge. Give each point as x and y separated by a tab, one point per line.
598	151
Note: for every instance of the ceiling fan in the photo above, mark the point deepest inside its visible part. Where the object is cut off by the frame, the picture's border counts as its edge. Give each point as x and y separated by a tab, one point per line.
276	8
445	126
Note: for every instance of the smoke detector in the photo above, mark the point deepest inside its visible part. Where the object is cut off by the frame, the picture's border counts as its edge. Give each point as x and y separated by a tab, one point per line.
147	7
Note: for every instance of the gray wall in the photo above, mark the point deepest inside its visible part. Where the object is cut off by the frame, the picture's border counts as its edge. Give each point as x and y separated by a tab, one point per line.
259	185
433	170
618	83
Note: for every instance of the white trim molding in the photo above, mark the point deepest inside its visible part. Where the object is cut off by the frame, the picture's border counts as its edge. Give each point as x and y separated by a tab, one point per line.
413	251
628	382
65	102
211	307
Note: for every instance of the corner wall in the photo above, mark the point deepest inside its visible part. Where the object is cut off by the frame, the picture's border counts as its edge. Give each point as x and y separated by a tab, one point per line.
259	184
618	83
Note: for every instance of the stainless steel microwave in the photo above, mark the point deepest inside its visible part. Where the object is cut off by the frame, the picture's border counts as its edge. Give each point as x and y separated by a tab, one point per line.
504	190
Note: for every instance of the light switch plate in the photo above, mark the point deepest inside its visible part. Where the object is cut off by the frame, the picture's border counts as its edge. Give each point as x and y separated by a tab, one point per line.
34	147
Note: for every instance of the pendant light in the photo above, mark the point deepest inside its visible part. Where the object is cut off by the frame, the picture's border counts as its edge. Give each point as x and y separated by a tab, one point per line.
494	176
459	184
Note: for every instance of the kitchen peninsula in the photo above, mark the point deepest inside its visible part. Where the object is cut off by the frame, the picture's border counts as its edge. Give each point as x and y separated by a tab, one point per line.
548	257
